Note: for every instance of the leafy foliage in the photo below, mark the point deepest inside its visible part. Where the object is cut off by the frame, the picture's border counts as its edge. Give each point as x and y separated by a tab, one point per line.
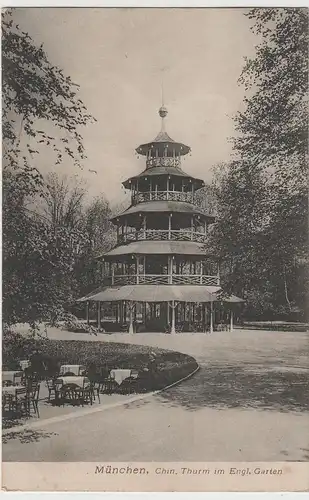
35	91
262	207
43	248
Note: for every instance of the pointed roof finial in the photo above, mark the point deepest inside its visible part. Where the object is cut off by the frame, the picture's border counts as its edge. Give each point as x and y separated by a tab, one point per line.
163	110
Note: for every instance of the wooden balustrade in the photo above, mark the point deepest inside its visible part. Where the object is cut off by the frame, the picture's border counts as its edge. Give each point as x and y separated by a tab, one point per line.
166	161
162	235
141	196
162	279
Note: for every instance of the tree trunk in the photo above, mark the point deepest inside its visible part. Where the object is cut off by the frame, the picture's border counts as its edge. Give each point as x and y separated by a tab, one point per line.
286	288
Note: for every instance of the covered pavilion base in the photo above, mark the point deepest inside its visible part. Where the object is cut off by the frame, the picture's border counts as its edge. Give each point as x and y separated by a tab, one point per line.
166	308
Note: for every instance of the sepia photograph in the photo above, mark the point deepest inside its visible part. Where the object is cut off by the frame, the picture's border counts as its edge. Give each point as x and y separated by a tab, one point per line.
155	249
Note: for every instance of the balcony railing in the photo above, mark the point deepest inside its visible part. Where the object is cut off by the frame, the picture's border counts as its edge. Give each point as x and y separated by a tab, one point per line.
162	235
162	279
162	196
163	162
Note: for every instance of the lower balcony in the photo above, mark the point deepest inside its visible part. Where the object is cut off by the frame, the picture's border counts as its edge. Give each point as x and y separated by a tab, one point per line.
162	279
162	235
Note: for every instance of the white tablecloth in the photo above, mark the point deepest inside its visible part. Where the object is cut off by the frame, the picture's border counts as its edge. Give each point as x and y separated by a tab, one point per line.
79	381
120	374
76	369
11	389
9	375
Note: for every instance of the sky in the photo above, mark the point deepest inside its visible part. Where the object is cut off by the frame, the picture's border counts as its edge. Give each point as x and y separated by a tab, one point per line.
120	57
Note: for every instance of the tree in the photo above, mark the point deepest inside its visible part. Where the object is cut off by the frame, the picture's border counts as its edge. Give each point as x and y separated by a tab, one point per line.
38	99
262	201
63	200
99	237
35	91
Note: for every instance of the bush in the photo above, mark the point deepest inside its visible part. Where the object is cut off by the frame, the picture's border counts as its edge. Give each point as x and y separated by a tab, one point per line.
71	323
16	347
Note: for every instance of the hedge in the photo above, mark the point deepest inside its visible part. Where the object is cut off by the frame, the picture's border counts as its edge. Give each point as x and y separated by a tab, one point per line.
171	366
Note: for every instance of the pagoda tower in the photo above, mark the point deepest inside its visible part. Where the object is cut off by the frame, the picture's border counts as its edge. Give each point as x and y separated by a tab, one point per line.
159	276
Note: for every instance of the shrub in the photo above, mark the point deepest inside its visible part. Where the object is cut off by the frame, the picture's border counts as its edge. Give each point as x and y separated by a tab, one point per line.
71	323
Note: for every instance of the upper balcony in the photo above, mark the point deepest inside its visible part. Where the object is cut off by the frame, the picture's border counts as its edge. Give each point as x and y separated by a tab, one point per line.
163	162
161	279
145	196
162	235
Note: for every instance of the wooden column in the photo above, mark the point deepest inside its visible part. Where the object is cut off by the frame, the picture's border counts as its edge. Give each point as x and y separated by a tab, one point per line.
203	317
120	312
137	269
99	314
211	317
131	305
231	321
125	230
167	188
192	227
169	226
87	312
113	272
173	330
150	189
125	312
170	269
201	272
168	314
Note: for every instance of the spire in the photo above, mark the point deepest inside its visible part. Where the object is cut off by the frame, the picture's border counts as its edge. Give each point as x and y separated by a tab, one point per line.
163	110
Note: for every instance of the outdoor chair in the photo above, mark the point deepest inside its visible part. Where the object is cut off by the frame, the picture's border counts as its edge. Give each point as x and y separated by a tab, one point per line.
67	392
21	400
96	390
108	386
7	402
58	390
85	393
17	379
51	387
7	383
129	385
33	396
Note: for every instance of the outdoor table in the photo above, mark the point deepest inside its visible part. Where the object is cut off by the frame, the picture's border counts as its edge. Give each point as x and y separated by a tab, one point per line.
78	381
76	369
9	375
11	389
120	374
